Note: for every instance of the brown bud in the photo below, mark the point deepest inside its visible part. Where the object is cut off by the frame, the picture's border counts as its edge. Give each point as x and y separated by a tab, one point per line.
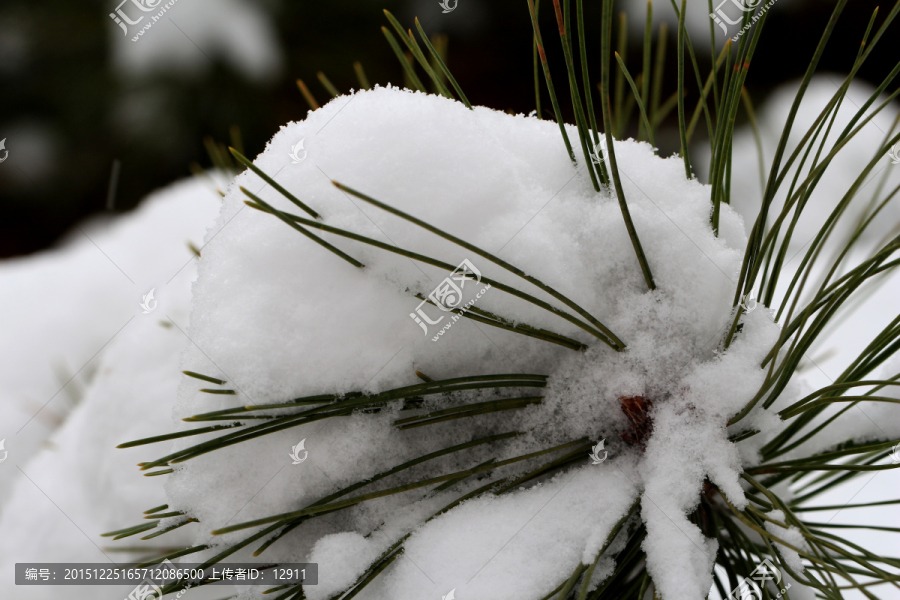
637	409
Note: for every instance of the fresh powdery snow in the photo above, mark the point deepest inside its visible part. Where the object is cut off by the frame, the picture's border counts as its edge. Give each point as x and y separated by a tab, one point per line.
792	536
863	320
63	482
278	317
62	307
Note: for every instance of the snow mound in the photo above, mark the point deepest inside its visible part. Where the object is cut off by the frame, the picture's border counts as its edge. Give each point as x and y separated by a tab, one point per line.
278	317
64	482
61	306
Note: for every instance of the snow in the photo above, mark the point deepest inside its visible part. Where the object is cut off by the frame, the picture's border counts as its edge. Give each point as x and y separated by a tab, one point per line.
869	421
343	557
63	305
843	343
480	546
280	317
792	535
64	483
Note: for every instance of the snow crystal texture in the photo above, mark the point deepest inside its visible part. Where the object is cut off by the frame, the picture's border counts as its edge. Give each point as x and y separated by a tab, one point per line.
278	316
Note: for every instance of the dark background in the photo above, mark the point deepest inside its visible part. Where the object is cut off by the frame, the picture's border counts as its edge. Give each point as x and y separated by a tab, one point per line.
55	73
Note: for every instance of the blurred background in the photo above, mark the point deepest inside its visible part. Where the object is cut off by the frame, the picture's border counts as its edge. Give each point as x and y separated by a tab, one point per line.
94	121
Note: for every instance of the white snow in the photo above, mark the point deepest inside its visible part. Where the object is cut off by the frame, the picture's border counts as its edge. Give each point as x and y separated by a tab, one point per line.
64	482
792	535
280	317
868	421
480	547
841	343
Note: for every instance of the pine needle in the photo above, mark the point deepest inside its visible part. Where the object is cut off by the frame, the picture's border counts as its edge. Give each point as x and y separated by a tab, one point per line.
307	95
361	76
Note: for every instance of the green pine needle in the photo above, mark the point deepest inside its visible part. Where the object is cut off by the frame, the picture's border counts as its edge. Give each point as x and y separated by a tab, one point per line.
204	377
326	83
810	306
